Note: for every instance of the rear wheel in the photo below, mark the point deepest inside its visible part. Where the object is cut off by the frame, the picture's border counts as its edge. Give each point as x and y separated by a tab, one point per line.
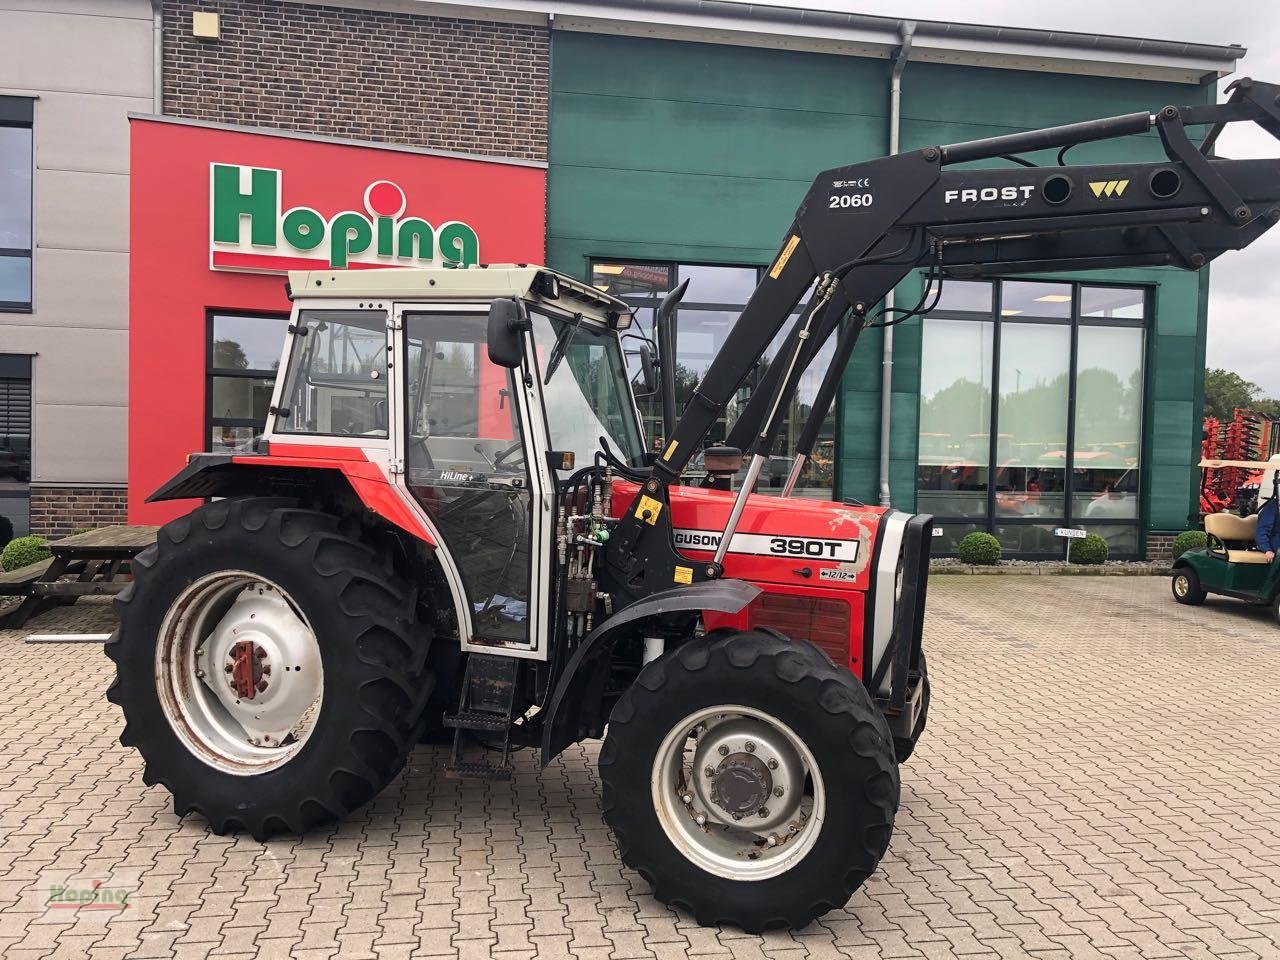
749	781
1186	587
268	665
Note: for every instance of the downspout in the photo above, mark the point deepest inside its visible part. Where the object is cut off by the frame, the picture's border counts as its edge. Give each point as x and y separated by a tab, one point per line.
157	56
906	29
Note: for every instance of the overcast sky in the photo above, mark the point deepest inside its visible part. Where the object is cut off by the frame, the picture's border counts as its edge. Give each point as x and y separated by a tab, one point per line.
1244	297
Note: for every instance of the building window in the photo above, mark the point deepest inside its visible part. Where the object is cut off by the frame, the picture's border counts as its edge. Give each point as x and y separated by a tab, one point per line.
15	445
244	354
711	306
1030	413
16	164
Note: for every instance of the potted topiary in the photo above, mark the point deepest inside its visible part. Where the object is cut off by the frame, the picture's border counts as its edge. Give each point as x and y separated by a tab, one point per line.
1189	540
1091	550
979	549
23	552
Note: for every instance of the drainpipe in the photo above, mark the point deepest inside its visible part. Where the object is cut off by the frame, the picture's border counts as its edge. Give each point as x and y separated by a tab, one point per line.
157	56
906	29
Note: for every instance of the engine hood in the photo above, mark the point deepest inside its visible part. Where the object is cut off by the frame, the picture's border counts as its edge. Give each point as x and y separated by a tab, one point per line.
790	540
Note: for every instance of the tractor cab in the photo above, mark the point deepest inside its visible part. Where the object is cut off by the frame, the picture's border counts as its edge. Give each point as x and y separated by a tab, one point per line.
1230	562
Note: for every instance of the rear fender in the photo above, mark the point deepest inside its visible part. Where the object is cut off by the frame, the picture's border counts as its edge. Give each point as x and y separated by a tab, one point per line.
253	474
573	711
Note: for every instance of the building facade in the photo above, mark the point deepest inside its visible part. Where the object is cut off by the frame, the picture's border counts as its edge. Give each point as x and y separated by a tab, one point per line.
658	142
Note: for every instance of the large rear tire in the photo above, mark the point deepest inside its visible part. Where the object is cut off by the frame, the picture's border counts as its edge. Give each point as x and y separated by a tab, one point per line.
268	665
749	781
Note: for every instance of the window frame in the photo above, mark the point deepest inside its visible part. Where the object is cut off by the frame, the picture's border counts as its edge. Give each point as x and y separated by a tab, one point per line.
19	113
1076	320
211	372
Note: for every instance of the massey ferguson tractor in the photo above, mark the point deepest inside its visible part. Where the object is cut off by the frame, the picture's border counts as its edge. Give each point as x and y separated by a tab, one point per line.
453	528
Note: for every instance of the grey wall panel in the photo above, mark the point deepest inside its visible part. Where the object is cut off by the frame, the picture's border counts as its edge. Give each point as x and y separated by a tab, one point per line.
49	51
81	288
90	447
133	9
82	211
81	367
71	366
85	132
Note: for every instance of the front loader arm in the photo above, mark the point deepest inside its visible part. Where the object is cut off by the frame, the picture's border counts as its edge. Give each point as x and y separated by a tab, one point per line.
862	228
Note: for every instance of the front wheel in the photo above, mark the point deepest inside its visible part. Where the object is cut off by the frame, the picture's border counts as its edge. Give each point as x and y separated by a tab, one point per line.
749	781
1186	587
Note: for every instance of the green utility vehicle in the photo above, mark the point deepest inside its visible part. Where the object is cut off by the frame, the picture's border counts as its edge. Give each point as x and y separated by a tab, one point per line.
1231	564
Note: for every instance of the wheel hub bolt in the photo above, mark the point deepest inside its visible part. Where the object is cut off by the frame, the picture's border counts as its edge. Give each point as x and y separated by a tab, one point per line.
750	746
737	816
687	798
708	771
764	811
227	669
773	839
724	751
777	791
773	763
701	819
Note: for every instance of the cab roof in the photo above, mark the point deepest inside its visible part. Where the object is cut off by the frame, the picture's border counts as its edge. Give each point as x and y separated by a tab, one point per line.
534	283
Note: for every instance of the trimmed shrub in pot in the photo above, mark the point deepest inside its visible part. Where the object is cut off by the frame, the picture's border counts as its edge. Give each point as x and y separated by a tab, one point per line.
1189	540
1092	549
981	549
22	552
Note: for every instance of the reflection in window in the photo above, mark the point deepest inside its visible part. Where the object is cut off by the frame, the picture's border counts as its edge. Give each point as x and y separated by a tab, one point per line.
712	305
15	443
955	417
243	356
16	163
1108	422
1040	480
1031	447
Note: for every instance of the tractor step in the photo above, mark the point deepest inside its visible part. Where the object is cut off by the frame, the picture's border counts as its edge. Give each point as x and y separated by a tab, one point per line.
487	705
478	721
478	770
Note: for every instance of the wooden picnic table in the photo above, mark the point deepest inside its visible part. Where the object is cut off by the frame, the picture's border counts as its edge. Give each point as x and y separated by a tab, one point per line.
87	564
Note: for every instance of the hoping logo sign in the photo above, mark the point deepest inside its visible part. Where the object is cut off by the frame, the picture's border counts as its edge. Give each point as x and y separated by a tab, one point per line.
249	231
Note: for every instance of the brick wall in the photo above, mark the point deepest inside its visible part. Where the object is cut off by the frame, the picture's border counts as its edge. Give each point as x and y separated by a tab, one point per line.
442	83
1160	546
59	511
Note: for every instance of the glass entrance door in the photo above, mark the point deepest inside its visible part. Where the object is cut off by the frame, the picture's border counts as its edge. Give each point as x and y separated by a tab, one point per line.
466	463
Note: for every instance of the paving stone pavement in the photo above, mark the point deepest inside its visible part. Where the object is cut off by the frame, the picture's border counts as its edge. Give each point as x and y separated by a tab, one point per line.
1100	778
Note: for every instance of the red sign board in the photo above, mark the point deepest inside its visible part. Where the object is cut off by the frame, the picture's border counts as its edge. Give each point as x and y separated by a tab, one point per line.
216	214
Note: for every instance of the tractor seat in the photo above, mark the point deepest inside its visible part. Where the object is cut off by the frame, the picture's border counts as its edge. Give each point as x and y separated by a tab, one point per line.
1237	536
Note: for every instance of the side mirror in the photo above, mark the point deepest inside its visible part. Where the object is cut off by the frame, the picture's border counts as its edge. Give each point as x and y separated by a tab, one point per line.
508	319
648	371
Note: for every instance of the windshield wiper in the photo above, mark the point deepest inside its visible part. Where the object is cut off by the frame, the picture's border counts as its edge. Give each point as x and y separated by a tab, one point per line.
558	349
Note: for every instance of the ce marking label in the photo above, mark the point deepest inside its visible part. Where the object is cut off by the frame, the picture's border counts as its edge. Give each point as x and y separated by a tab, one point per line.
851	196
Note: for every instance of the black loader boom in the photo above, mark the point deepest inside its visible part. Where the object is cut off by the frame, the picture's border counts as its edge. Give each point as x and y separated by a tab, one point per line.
862	228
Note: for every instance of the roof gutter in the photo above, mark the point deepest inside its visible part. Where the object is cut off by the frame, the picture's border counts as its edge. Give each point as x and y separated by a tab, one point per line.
907	33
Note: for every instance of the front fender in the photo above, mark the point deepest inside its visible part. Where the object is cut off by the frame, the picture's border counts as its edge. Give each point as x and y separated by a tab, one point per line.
582	682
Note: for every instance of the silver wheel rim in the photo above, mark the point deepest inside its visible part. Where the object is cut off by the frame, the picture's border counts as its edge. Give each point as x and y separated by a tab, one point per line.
1181	585
238	672
734	759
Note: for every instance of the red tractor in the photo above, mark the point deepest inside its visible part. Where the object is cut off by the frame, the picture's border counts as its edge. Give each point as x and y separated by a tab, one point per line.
454	528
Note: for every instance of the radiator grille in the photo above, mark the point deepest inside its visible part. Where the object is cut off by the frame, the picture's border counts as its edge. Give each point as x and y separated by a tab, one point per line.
823	622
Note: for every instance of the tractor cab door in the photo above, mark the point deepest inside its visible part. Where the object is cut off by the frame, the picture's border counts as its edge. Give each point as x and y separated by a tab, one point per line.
473	463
